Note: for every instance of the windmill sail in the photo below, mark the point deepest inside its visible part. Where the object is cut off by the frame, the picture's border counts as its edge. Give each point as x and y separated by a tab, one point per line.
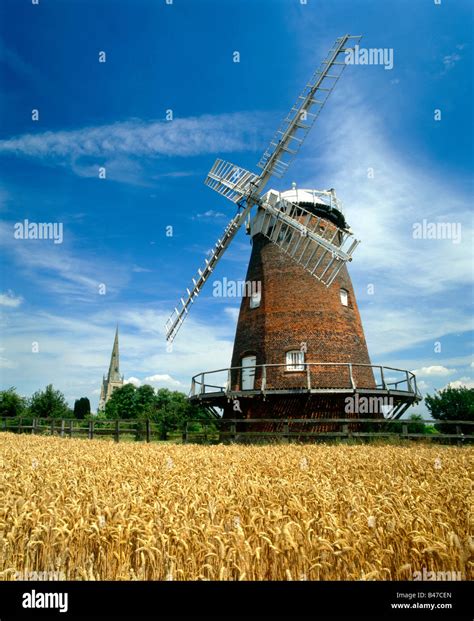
316	244
177	317
290	136
233	182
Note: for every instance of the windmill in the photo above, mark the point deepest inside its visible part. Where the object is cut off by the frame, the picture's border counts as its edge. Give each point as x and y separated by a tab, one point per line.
299	348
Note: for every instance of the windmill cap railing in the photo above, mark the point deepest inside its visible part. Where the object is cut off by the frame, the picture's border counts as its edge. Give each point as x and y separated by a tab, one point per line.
306	376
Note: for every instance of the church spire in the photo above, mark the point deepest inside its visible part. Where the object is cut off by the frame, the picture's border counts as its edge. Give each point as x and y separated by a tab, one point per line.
114	367
113	380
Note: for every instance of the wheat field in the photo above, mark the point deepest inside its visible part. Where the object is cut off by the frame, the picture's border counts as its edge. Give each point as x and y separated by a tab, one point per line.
101	511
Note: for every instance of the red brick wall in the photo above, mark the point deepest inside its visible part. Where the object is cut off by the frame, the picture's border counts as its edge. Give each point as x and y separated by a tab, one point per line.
295	309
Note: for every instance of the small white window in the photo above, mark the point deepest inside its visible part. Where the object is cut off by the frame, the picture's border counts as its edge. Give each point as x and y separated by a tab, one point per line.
344	297
248	372
255	299
295	360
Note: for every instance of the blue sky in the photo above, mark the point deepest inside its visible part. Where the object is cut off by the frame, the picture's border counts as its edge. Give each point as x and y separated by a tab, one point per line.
179	57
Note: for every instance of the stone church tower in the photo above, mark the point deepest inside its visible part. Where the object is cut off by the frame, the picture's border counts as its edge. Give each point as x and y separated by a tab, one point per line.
114	379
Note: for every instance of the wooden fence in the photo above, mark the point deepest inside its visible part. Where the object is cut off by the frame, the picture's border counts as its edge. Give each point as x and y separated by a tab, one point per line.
245	430
72	427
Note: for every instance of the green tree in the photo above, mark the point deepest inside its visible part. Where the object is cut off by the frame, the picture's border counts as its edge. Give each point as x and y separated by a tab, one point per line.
145	401
11	404
169	409
122	403
129	402
49	403
452	404
414	424
82	408
173	409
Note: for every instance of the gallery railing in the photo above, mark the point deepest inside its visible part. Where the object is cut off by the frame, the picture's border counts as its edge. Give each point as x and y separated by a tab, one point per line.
307	376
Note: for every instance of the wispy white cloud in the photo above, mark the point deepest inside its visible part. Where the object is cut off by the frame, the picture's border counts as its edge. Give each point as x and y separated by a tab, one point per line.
5	363
209	214
437	369
10	299
232	312
162	378
16	63
121	147
63	270
4	198
463	382
450	60
132	380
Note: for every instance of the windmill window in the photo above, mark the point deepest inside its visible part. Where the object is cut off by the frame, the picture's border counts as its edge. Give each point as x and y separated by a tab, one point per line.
295	360
344	297
255	299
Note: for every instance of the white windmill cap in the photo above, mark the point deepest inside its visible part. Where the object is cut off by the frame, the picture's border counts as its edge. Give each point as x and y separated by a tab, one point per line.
305	195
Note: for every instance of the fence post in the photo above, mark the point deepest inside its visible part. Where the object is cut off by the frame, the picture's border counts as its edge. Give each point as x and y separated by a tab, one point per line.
52	427
308	376
90	431
4	424
405	431
117	430
147	429
186	433
35	421
62	427
286	431
70	428
459	433
345	430
233	430
20	425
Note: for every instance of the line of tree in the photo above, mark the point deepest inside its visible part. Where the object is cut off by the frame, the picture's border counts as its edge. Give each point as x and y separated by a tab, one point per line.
169	409
452	404
47	403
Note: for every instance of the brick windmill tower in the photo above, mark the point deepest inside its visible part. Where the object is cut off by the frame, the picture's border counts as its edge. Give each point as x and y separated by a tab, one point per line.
299	349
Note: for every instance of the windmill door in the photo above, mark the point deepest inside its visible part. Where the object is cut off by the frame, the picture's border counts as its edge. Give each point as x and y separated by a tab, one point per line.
248	372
